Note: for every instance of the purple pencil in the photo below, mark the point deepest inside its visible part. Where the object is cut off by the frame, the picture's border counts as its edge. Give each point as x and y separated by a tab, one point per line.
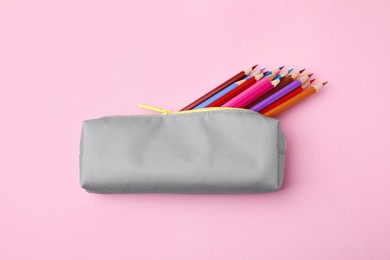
277	95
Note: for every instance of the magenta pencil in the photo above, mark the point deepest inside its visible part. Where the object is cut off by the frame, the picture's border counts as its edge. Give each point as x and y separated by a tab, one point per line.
256	90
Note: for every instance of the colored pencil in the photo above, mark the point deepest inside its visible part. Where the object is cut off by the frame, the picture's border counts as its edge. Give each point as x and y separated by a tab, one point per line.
243	92
283	74
298	98
239	76
284	91
287	97
231	93
252	93
225	90
283	82
273	72
261	70
255	74
216	96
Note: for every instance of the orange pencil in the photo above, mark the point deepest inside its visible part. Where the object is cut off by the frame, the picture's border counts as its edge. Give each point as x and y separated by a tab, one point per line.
294	100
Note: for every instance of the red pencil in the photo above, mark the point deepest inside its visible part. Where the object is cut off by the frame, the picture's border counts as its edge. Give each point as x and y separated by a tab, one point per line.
239	76
231	94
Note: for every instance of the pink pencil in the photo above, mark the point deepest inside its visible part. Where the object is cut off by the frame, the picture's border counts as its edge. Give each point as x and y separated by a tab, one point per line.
255	91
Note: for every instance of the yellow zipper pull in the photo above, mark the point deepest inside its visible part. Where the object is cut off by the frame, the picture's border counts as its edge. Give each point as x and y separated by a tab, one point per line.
156	109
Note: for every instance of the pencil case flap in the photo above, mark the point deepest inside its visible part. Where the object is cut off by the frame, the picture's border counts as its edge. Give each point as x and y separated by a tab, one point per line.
232	151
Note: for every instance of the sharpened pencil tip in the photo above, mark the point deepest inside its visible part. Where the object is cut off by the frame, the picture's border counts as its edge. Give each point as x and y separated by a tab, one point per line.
253	67
281	67
289	71
262	69
324	83
312	80
311	74
301	71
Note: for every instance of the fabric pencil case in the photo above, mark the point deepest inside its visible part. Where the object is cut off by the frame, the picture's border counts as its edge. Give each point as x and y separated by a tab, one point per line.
210	150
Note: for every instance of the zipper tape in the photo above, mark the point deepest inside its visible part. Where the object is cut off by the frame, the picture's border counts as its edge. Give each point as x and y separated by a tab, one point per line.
168	112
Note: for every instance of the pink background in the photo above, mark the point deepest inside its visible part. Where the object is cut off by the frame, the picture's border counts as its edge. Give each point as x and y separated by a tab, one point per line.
65	61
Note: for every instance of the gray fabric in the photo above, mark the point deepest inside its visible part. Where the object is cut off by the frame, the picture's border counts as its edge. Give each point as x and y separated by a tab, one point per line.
232	151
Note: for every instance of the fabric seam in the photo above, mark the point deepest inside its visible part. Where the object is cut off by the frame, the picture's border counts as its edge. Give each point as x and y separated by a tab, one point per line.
253	113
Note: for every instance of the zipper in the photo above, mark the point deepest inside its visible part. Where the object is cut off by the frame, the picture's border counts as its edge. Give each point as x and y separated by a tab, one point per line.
206	109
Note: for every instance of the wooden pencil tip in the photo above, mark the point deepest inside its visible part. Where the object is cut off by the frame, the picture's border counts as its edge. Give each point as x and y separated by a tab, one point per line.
281	67
275	82
253	67
262	69
311	74
324	83
255	72
289	71
312	80
301	71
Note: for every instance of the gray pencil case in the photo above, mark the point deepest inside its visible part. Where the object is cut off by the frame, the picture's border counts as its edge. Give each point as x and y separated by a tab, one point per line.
220	150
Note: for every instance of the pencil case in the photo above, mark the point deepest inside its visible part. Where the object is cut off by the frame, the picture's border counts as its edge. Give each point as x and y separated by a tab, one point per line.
209	150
